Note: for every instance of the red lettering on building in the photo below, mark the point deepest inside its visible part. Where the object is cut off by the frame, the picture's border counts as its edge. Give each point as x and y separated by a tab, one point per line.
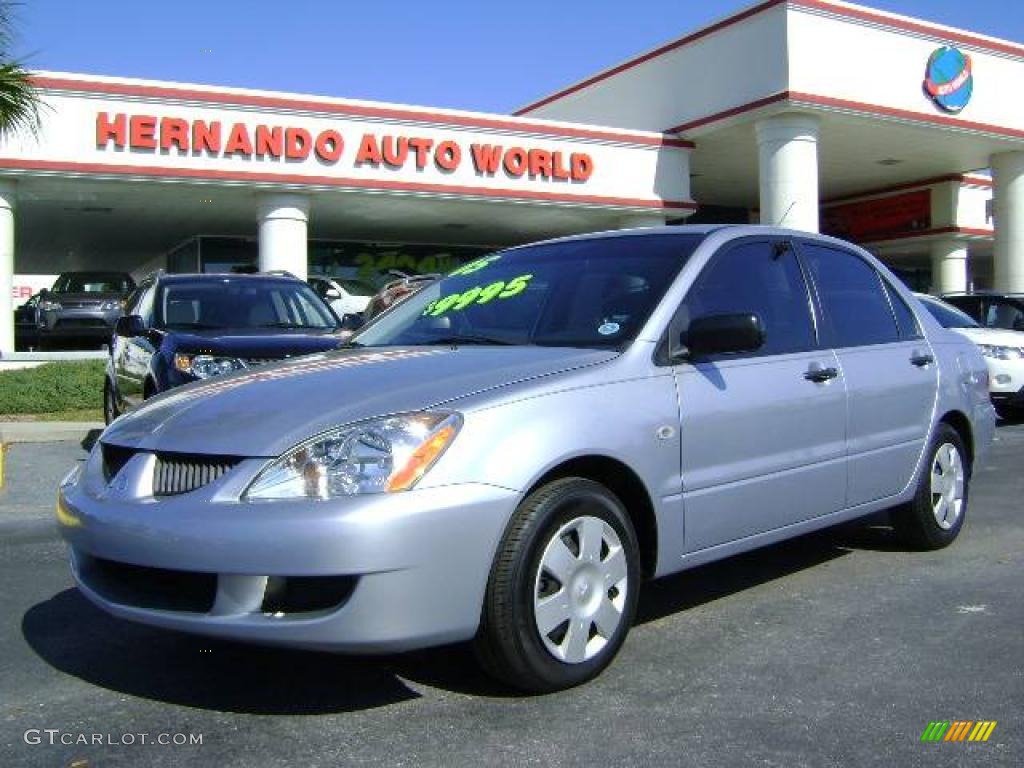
329	146
486	158
422	147
142	133
296	143
269	141
394	150
206	137
238	141
539	163
107	129
581	166
558	170
515	161
448	156
174	133
369	151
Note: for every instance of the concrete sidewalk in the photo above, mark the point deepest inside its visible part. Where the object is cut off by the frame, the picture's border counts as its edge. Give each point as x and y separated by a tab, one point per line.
46	431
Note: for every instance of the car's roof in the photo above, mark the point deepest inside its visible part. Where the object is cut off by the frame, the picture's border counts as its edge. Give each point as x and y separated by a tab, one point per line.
219	277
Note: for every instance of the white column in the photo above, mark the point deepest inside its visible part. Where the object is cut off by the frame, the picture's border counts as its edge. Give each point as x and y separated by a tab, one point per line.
788	163
1008	201
949	266
283	236
8	192
636	220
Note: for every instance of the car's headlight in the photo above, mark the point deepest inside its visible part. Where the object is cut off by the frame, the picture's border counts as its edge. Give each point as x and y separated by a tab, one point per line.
50	306
1001	353
380	456
204	366
106	306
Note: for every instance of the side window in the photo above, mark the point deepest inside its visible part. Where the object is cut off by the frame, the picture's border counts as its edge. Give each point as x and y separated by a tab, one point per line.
752	277
1003	314
854	303
132	299
905	320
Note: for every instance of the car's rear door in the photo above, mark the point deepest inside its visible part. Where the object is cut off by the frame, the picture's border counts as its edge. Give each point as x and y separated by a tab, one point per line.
891	376
762	434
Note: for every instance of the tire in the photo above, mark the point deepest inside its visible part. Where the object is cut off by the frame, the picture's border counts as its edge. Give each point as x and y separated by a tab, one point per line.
935	516
110	411
571	547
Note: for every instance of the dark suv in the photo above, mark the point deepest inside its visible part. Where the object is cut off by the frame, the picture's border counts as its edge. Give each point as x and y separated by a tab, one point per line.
82	307
990	309
182	328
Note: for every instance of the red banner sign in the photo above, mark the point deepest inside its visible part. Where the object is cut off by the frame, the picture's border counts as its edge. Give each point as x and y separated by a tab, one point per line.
880	217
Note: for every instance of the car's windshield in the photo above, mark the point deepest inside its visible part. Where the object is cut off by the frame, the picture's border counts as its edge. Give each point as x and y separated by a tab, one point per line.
948	316
594	292
93	282
240	303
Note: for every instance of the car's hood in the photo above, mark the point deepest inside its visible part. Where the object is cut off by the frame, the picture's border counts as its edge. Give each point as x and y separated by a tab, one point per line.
995	336
258	342
266	411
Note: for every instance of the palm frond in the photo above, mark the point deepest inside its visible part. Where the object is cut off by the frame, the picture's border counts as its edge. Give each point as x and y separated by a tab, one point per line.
19	100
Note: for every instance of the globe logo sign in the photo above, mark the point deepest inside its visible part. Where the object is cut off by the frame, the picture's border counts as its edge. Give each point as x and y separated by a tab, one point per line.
948	79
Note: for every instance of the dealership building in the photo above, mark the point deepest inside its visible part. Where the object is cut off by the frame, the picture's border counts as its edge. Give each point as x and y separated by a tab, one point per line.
897	133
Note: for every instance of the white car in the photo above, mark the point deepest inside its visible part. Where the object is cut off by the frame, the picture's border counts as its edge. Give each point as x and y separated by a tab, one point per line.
345	296
1003	351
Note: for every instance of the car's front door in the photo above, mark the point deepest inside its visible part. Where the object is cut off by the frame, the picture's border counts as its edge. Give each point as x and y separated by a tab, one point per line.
891	376
132	355
762	434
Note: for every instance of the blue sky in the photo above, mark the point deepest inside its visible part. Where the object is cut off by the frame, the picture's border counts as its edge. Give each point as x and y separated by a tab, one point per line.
483	55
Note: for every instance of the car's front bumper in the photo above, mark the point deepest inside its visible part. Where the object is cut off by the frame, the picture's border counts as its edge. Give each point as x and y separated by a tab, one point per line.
78	323
418	561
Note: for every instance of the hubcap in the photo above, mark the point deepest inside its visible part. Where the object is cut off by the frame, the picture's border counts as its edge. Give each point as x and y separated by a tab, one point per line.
580	590
947	486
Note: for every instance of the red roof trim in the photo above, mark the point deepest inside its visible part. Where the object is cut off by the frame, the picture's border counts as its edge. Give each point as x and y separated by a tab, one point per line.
381	185
895	188
860	14
854	106
352	110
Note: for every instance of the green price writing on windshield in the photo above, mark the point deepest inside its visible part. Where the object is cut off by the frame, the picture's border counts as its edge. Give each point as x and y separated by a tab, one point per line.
474	266
480	294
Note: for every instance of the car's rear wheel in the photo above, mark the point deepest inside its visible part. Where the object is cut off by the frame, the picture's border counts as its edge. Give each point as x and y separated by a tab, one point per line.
935	516
110	410
562	592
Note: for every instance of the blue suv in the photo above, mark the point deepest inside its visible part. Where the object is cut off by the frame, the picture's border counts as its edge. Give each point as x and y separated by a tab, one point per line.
181	328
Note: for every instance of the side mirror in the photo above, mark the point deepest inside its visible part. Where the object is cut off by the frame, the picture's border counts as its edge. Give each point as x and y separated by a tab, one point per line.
723	334
129	326
332	293
352	322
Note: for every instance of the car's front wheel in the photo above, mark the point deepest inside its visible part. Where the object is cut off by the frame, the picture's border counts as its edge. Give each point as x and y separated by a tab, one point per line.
562	592
936	514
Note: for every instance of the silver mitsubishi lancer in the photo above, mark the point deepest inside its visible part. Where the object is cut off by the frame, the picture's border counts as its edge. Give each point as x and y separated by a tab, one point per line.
506	456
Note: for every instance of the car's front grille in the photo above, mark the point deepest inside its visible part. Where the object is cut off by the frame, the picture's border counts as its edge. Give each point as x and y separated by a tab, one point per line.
177	473
174	473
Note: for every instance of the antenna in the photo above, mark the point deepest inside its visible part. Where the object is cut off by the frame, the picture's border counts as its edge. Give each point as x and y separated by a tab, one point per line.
786	214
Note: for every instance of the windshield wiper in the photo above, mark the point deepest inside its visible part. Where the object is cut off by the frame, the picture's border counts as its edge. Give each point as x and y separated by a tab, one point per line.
470	338
290	325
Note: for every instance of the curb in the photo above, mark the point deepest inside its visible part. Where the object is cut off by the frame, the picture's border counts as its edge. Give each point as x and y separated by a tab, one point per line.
46	431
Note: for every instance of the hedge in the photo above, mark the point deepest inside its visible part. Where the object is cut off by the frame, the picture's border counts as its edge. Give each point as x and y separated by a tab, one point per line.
52	387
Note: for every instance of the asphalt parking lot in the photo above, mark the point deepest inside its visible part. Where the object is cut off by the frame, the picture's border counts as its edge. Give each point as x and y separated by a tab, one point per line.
834	649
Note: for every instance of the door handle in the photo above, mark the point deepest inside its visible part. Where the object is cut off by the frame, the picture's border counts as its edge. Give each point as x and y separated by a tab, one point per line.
921	360
821	375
